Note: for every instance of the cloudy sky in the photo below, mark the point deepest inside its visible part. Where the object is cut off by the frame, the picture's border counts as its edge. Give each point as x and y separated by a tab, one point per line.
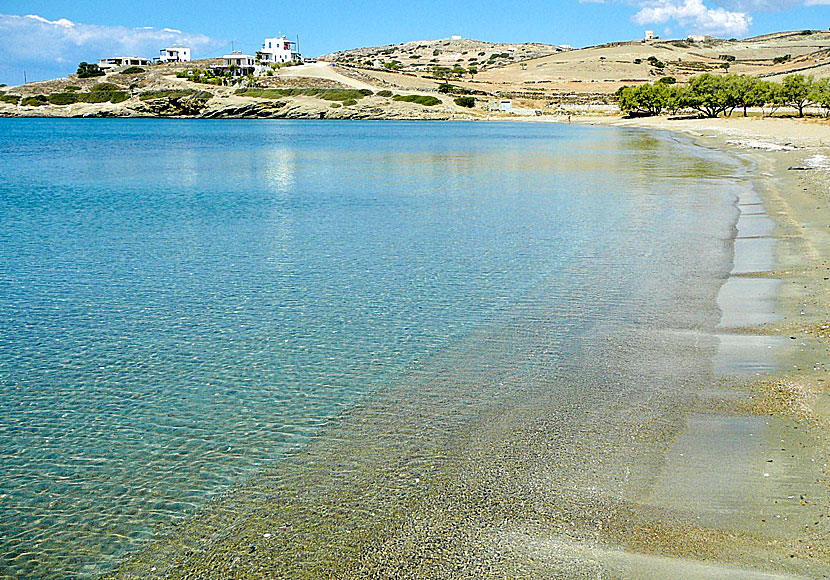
47	38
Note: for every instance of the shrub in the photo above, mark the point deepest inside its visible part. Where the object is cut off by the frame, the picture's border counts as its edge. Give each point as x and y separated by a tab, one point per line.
384	93
13	99
655	62
133	70
87	70
35	101
326	94
781	59
336	105
72	88
103	87
468	102
425	100
445	88
349	102
63	98
667	81
167	93
119	96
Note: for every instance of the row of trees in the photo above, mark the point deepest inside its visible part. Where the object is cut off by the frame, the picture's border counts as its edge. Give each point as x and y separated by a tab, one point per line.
714	95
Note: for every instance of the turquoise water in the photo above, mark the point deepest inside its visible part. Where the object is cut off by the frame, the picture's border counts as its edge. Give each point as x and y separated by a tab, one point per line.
184	302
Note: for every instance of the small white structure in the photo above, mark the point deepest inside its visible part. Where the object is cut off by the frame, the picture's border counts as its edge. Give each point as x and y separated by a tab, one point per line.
649	35
176	53
504	105
238	64
108	64
277	51
455	37
697	38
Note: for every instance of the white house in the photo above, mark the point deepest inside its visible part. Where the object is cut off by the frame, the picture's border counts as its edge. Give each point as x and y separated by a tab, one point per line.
278	51
238	64
649	35
176	53
697	38
504	105
108	64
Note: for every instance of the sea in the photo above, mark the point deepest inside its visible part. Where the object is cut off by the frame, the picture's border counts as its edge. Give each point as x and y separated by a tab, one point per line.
184	304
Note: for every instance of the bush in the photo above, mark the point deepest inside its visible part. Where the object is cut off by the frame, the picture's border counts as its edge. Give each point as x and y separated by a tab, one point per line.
325	94
653	61
87	70
63	98
103	87
349	102
425	100
133	70
35	101
445	88
468	102
384	93
667	81
119	96
336	105
13	99
781	59
167	93
72	88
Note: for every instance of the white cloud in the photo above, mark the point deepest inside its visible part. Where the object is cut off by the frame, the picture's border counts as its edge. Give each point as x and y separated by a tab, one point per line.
816	2
35	43
694	16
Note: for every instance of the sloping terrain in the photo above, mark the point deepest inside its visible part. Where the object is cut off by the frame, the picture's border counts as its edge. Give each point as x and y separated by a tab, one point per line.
424	55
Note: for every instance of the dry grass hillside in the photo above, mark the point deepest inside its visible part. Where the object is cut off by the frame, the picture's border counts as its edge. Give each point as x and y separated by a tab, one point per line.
598	70
424	55
538	78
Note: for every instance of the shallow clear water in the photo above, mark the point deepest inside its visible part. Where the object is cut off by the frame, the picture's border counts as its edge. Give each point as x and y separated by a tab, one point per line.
184	302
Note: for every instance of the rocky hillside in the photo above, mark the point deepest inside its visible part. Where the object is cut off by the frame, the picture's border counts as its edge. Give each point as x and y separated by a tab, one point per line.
451	53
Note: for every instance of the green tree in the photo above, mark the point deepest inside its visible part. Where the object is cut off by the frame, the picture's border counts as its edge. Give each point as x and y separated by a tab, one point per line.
87	70
708	95
645	99
820	94
796	90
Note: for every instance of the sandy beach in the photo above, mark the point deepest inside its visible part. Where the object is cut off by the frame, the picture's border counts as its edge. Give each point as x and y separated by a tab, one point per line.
766	440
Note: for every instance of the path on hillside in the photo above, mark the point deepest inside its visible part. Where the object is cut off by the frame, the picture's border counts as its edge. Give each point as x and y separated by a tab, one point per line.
323	70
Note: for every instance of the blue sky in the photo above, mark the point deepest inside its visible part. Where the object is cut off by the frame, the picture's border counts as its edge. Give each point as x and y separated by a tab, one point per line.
47	38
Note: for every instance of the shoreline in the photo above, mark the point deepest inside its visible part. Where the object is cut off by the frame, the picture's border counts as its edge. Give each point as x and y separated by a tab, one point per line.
720	427
787	404
760	433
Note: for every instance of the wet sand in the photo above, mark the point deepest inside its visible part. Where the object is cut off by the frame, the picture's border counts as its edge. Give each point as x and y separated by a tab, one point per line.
753	458
721	474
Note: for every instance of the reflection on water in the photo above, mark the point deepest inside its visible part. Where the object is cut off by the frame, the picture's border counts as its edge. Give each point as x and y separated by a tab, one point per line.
171	324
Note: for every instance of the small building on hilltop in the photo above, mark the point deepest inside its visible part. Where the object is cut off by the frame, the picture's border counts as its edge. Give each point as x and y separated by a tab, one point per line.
238	64
278	50
108	64
176	53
